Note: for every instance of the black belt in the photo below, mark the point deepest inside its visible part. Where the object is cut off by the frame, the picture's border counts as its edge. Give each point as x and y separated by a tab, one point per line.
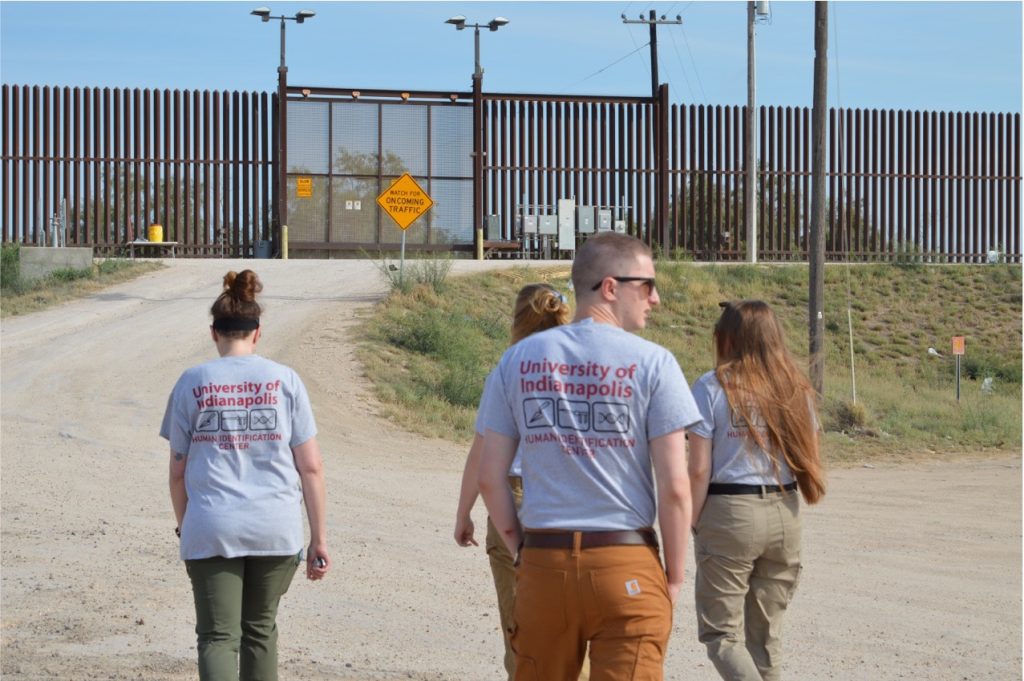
731	488
562	539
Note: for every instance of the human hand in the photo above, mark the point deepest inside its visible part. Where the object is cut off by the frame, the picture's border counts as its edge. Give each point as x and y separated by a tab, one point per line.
318	562
464	531
673	591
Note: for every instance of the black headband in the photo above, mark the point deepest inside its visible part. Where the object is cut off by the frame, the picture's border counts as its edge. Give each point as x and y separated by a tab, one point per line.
235	324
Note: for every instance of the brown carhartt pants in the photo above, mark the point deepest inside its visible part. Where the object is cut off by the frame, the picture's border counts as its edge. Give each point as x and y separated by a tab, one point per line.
615	597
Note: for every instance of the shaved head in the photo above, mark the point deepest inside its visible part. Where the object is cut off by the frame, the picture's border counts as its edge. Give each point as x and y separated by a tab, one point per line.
602	255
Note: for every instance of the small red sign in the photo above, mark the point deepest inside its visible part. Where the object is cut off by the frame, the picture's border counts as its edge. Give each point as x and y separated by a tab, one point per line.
958	345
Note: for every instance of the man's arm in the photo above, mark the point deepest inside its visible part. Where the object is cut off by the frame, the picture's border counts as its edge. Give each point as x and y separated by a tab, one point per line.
700	473
668	454
495	460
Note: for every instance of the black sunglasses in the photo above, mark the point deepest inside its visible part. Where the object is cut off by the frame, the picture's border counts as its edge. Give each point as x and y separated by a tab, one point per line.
648	282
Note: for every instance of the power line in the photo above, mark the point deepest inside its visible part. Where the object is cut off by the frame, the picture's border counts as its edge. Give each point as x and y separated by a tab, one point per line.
609	65
693	61
675	48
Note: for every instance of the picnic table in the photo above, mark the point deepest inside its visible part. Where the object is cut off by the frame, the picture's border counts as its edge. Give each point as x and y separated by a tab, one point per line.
157	245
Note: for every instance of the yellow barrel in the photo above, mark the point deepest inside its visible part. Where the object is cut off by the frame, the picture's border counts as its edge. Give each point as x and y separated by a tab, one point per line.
156	233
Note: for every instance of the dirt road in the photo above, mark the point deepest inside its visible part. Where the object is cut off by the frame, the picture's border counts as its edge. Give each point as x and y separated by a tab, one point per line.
912	572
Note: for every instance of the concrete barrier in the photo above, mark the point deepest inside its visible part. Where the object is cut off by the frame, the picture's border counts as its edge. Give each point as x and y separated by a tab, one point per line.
38	261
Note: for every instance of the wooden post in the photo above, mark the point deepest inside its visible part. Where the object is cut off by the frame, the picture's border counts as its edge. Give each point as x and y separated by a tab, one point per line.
816	254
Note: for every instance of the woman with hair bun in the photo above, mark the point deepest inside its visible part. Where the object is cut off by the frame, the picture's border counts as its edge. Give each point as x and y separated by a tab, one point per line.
538	307
244	457
756	445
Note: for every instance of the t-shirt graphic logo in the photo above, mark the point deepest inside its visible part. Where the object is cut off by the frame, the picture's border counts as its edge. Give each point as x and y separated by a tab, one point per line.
611	417
756	418
208	421
573	414
633	587
539	412
235	419
263	419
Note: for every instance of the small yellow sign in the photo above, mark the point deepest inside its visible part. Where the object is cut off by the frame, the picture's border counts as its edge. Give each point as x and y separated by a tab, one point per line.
404	201
304	187
958	345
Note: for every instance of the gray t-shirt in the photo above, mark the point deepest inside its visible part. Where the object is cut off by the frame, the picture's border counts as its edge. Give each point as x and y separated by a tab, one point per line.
237	418
584	400
735	456
516	468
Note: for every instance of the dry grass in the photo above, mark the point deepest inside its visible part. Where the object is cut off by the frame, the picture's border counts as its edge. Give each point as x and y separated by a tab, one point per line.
905	402
20	297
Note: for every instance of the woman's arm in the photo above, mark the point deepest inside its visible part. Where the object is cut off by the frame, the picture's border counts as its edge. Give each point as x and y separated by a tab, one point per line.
468	494
176	478
700	473
668	455
310	465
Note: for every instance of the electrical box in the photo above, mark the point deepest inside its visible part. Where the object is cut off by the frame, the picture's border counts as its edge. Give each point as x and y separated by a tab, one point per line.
620	226
547	224
604	219
566	224
529	224
492	228
585	219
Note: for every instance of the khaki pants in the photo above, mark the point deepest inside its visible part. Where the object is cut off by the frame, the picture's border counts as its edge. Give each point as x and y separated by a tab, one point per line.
504	572
615	597
747	549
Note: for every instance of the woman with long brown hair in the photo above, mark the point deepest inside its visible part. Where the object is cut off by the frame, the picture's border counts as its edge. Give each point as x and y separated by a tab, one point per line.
538	307
757	444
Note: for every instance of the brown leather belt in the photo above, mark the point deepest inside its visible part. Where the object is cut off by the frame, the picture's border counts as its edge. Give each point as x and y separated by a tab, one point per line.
560	539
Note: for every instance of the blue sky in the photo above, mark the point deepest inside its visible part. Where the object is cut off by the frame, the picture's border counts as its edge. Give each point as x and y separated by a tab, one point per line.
945	56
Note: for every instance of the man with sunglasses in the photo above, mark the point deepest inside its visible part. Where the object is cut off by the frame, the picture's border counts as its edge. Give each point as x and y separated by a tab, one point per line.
599	415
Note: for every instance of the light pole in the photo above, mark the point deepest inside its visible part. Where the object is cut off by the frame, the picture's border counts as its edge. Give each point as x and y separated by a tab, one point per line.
494	24
282	115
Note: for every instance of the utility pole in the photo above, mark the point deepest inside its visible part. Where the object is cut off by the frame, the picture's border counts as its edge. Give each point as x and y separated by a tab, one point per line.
653	22
756	9
750	182
816	247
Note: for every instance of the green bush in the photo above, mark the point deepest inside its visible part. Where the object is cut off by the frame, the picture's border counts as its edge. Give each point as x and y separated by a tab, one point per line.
10	270
432	272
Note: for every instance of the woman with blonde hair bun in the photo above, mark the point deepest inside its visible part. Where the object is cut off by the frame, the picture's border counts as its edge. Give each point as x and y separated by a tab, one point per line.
243	458
538	307
756	445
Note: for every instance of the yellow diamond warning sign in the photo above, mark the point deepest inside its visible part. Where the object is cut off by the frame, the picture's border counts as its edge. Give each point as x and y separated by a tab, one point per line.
404	201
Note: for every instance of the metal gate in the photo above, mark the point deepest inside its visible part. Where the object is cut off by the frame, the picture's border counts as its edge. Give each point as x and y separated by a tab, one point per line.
346	147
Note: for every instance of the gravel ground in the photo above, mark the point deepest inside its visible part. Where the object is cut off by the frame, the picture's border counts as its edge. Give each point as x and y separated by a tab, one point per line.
911	571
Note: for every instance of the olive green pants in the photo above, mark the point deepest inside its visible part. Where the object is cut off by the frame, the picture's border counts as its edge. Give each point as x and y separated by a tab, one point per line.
747	549
236	614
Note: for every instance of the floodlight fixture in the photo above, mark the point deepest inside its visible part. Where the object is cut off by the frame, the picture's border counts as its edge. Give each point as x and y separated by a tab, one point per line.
496	23
458	21
262	12
304	14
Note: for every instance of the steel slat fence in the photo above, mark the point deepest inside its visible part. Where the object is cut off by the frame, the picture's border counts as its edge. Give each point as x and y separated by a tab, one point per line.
933	186
194	162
